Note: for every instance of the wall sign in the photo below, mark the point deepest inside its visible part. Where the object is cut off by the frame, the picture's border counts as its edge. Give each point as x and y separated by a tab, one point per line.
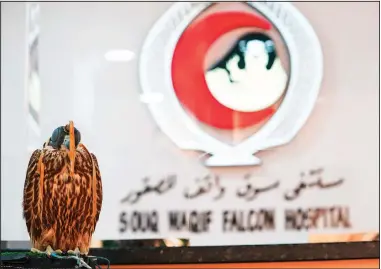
234	80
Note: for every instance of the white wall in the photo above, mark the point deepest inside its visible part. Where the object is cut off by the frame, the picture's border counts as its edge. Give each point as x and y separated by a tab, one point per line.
102	99
13	119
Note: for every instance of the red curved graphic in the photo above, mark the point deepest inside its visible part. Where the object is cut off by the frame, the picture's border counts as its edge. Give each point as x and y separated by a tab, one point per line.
188	70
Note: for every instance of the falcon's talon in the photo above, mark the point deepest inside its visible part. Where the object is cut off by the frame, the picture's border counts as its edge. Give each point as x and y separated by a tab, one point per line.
75	252
35	250
49	251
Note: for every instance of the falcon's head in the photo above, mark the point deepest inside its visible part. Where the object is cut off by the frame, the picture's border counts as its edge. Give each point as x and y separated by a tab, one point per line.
61	137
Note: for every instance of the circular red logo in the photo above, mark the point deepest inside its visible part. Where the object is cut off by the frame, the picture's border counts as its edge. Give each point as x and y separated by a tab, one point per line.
226	69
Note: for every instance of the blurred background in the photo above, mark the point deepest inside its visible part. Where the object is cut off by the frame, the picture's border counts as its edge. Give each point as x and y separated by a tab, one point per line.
82	62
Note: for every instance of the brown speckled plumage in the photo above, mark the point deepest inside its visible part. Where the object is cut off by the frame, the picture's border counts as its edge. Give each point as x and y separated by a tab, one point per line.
62	210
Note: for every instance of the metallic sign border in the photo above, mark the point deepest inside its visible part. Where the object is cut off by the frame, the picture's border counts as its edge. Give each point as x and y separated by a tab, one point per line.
306	75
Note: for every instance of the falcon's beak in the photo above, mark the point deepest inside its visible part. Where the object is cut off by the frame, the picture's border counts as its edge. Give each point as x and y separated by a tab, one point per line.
67	140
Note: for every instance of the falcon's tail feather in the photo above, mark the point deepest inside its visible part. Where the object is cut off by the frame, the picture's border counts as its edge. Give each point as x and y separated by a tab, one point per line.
72	147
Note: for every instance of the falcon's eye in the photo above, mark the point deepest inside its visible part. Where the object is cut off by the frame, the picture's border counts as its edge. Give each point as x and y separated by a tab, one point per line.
270	46
242	46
